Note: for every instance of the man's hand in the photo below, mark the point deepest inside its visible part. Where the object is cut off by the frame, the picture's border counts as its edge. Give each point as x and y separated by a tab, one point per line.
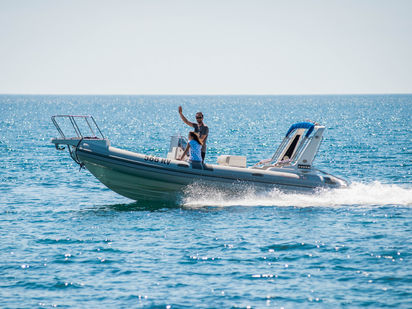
184	118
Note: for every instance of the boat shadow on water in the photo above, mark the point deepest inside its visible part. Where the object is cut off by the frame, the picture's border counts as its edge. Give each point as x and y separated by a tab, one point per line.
141	206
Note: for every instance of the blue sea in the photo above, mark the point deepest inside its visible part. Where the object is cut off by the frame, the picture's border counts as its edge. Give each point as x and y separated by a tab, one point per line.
67	241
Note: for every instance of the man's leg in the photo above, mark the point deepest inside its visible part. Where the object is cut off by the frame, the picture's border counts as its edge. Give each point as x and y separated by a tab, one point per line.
203	156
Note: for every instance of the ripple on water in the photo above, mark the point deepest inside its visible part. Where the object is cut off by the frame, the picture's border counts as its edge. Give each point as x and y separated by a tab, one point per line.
62	241
289	247
68	241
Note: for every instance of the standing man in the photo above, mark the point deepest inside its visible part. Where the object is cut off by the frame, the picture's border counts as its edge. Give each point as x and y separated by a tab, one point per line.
200	128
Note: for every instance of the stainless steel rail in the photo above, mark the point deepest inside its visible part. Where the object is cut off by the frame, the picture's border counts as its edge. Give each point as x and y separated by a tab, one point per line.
89	120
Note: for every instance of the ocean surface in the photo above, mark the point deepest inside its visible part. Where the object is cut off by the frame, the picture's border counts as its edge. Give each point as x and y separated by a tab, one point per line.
67	241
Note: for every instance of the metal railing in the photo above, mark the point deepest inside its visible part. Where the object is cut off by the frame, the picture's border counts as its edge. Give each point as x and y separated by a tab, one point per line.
88	120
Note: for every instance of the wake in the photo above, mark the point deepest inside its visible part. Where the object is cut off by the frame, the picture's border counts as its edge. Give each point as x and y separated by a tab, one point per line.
357	194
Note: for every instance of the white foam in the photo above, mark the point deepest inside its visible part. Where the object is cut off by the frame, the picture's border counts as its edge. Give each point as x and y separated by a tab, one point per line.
357	194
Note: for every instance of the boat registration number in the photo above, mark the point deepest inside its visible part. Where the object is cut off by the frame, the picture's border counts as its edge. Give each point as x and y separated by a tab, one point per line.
157	160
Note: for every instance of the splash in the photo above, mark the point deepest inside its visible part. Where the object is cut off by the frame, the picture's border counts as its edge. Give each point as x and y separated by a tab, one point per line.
357	194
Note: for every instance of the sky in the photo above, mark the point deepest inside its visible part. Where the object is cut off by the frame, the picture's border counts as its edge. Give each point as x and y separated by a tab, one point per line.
205	47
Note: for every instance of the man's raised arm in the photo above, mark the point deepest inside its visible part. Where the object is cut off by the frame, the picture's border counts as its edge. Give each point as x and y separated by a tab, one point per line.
184	118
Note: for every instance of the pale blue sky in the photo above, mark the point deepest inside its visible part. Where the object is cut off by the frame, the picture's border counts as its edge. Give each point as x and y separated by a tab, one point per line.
205	47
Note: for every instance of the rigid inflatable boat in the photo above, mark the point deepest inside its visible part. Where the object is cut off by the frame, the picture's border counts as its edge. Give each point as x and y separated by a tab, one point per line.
147	177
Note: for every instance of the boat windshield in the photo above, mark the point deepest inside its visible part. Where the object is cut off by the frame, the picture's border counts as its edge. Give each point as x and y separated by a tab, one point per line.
293	143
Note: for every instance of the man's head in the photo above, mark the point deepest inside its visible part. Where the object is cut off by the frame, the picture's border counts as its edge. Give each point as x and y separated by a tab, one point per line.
199	117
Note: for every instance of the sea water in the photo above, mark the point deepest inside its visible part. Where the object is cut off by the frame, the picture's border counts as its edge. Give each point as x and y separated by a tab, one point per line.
67	241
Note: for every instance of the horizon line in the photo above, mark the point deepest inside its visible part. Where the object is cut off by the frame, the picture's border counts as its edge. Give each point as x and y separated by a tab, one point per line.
200	94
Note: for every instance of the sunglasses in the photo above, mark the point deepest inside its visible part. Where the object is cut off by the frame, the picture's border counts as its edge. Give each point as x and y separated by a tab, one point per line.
199	117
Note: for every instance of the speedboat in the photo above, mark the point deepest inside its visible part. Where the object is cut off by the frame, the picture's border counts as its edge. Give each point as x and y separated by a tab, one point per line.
145	177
